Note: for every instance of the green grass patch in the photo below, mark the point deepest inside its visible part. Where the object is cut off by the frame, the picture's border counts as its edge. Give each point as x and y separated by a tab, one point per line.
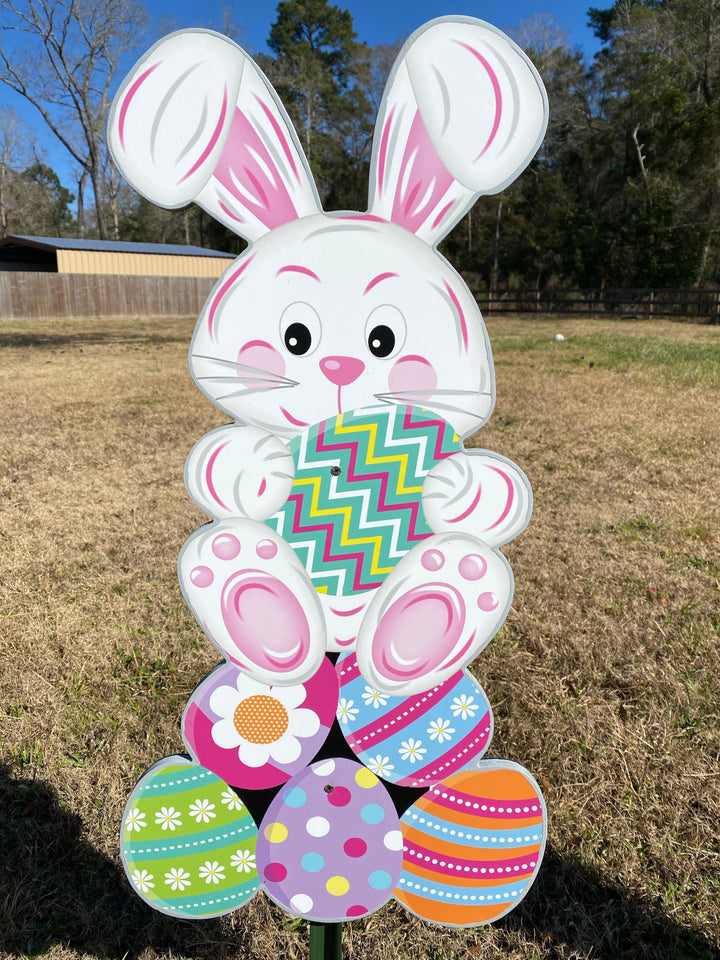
682	362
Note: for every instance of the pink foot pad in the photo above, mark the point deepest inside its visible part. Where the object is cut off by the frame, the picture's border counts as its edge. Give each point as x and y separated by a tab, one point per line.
251	594
433	615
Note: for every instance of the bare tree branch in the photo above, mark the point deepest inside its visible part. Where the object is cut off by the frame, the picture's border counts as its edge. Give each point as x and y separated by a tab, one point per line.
66	70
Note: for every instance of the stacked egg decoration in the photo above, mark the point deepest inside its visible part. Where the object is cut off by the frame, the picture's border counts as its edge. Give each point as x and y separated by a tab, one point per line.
418	740
331	843
188	842
254	735
472	845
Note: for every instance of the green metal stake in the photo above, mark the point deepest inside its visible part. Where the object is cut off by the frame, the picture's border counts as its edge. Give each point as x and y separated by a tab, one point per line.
325	941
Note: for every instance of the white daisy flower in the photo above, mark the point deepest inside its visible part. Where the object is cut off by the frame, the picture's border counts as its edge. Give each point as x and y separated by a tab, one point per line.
346	710
243	860
412	750
202	810
231	799
380	765
374	698
177	878
262	723
135	820
464	706
212	872
168	818
440	730
141	879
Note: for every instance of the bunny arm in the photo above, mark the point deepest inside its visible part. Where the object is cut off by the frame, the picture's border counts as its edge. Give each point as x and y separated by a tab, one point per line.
480	493
239	471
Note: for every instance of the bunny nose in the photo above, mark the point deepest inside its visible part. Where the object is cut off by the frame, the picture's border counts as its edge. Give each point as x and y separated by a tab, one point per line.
341	370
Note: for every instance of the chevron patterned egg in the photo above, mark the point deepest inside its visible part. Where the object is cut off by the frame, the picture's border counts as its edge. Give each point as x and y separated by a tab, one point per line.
188	842
472	845
418	740
355	508
330	846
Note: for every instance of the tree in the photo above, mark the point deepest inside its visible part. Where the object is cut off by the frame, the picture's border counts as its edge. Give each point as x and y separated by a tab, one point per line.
32	199
15	153
52	199
65	68
317	71
658	83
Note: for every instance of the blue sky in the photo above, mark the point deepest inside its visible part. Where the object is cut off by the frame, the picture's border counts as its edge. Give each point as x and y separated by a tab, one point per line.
376	21
384	21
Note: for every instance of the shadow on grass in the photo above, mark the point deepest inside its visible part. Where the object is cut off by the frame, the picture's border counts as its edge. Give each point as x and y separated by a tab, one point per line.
138	336
57	889
572	911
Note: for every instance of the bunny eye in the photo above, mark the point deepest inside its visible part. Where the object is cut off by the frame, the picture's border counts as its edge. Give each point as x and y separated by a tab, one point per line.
300	329
385	331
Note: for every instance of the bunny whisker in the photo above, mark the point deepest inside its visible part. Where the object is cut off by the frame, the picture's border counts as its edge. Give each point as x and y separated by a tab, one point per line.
438	400
247	391
221	360
250	379
256	373
424	394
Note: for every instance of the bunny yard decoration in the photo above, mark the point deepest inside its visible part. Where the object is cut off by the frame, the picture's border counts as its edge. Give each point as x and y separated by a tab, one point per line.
351	570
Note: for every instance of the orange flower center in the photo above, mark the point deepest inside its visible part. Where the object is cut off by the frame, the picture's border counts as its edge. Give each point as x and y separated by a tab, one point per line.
261	719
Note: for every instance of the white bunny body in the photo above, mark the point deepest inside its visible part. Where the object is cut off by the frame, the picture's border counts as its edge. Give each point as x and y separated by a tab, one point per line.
325	314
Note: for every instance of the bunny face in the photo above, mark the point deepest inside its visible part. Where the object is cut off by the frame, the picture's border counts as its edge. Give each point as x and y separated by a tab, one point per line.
330	314
326	313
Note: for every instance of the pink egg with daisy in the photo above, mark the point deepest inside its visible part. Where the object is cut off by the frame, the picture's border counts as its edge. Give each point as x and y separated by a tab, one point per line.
254	735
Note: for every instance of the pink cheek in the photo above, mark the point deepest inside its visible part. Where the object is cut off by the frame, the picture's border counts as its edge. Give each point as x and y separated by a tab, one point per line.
260	354
413	373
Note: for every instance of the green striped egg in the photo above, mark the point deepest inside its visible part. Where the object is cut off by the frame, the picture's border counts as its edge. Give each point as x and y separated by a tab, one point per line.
188	842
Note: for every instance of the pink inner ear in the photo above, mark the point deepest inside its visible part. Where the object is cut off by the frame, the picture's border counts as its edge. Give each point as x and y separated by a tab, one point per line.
250	174
423	179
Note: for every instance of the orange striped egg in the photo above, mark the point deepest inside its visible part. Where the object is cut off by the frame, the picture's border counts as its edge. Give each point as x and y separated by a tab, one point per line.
472	845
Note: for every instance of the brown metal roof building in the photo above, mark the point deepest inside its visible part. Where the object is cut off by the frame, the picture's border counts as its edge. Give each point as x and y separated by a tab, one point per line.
63	255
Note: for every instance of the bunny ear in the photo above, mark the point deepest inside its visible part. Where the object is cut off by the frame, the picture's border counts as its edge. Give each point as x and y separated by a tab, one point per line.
463	114
197	120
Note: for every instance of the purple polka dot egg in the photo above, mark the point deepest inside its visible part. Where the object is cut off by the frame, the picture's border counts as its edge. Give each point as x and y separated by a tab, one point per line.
330	845
414	741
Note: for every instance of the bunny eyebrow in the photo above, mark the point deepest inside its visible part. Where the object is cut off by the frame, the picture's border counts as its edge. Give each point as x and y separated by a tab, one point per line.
296	268
378	279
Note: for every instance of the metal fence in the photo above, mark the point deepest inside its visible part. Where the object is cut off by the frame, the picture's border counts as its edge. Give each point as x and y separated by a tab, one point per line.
27	296
699	305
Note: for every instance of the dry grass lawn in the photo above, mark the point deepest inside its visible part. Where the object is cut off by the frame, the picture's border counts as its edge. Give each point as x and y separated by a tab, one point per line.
605	679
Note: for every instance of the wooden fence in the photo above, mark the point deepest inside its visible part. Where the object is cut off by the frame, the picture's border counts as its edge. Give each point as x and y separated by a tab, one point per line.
699	305
26	296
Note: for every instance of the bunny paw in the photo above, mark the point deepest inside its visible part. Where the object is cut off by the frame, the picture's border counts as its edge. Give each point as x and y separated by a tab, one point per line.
439	607
251	594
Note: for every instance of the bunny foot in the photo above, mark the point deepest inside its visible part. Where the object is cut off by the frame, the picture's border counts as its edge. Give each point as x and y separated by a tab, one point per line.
439	607
251	594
